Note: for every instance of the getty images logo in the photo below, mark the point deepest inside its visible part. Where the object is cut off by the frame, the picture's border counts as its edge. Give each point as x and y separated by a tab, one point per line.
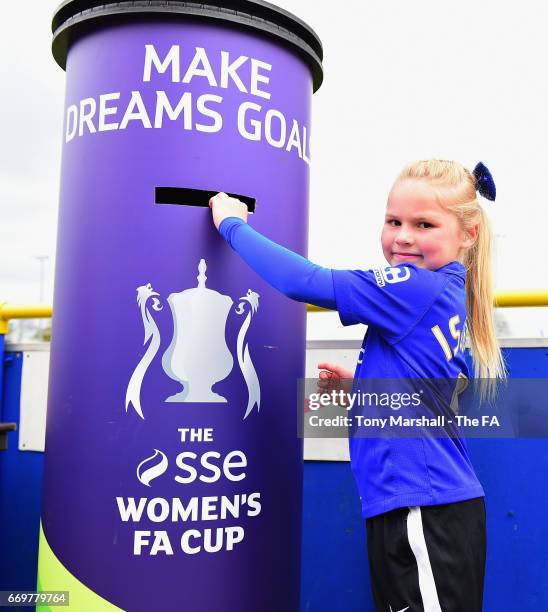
391	275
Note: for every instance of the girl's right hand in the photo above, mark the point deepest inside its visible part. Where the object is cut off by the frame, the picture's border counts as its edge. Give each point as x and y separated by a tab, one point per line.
333	377
223	206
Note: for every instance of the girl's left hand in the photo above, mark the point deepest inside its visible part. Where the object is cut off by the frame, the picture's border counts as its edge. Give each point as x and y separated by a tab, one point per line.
223	206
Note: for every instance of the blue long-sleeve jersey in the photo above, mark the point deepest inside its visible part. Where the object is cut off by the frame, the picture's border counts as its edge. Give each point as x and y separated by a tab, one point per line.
415	318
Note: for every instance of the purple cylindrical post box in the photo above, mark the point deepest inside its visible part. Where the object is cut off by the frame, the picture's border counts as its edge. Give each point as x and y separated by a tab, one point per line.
173	468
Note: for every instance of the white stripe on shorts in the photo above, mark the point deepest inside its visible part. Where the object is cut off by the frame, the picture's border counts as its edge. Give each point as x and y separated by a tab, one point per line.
427	586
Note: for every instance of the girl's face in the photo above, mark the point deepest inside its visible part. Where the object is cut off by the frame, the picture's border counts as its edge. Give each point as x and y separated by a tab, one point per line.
420	231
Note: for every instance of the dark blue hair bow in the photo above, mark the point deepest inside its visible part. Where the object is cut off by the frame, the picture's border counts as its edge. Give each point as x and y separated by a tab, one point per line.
484	182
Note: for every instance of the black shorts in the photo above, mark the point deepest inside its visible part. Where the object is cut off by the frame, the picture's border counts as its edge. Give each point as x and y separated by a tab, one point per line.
428	558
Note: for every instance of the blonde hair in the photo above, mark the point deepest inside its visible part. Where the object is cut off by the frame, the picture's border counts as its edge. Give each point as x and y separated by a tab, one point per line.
455	188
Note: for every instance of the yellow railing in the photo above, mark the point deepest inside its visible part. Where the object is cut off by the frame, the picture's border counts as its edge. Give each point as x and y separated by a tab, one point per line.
503	299
510	299
34	311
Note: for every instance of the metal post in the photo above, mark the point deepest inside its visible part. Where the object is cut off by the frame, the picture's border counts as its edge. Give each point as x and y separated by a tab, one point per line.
42	259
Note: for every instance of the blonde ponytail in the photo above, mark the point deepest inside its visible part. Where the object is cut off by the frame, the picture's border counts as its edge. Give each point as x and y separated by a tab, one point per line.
480	324
455	187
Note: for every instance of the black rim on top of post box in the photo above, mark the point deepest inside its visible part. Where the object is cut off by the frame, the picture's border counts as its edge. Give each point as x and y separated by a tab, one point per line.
73	15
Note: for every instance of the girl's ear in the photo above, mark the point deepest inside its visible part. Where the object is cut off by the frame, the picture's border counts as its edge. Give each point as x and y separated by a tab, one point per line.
470	236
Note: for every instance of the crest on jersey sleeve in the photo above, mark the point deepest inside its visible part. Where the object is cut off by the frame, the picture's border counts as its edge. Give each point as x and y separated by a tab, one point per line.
391	275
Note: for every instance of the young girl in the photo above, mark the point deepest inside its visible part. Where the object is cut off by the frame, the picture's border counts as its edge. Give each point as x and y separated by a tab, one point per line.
423	504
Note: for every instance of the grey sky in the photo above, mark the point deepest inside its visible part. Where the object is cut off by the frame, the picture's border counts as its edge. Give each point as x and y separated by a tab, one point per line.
402	81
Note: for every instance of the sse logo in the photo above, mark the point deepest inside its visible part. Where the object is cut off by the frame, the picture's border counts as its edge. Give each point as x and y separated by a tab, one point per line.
391	275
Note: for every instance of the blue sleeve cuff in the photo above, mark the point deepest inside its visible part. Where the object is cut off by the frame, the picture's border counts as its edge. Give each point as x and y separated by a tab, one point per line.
229	226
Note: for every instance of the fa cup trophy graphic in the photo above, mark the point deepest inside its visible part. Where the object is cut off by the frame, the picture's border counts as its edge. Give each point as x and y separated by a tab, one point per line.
198	356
